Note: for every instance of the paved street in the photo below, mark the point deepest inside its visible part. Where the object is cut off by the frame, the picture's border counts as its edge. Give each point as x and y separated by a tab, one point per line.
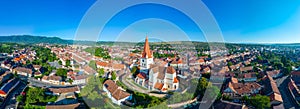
123	79
288	100
178	105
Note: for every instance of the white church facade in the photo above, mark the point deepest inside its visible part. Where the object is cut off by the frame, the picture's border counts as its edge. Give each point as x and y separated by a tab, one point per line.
155	77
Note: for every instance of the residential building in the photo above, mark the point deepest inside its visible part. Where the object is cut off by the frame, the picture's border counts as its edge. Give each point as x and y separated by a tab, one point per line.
228	105
115	93
80	79
274	74
271	89
23	71
237	90
58	91
67	106
7	87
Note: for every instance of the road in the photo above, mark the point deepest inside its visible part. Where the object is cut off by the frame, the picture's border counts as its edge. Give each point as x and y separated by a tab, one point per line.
123	79
288	100
10	101
178	105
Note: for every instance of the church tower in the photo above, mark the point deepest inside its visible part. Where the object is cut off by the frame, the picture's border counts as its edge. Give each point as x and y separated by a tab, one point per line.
147	57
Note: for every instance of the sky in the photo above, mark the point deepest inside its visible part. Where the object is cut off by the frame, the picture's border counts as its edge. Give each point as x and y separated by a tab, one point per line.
241	21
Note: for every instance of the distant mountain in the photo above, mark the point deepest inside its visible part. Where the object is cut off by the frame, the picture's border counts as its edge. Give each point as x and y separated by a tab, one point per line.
34	39
29	39
291	44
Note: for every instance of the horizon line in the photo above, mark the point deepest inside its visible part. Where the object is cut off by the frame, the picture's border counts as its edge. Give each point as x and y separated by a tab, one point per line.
260	43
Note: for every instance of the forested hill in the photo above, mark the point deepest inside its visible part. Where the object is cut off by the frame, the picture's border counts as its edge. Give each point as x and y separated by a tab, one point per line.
34	39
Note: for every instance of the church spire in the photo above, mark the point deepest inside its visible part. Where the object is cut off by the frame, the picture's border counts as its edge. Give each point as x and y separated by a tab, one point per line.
146	53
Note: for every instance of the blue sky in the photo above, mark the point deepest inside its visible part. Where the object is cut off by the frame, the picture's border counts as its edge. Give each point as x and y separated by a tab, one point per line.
247	21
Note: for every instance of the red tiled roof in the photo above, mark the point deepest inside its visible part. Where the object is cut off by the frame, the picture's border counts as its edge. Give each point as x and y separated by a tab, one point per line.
171	70
68	106
17	59
104	64
119	94
118	66
89	70
273	73
234	80
2	92
158	85
23	69
141	75
175	80
201	60
206	69
131	54
249	75
146	53
246	68
37	66
56	78
112	87
276	97
164	89
241	88
64	90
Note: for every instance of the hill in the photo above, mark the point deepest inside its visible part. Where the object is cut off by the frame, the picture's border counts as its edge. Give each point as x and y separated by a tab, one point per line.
34	39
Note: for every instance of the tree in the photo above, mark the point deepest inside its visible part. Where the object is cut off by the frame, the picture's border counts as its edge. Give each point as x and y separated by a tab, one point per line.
201	87
20	98
98	51
229	64
245	98
62	72
16	74
102	80
28	62
259	58
37	95
113	75
287	70
278	65
160	106
70	81
213	92
59	62
93	84
94	95
260	101
92	64
68	63
101	71
34	95
203	84
134	71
